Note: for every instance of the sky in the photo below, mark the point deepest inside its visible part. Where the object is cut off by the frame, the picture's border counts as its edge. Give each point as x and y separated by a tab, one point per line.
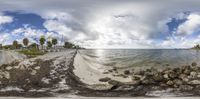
103	23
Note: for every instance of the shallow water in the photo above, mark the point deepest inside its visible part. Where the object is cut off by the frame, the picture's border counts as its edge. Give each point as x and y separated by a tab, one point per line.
141	58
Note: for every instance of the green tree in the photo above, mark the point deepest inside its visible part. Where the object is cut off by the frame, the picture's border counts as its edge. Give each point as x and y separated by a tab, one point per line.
68	45
42	41
49	44
25	42
1	46
15	44
54	42
33	45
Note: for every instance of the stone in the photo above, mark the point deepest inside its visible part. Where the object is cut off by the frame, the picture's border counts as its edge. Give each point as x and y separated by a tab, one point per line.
194	64
33	72
178	82
126	72
114	82
37	67
8	68
136	77
194	82
158	77
193	74
166	76
186	87
170	83
172	75
106	79
186	71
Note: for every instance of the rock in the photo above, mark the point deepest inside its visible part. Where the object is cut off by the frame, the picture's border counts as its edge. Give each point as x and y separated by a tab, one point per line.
193	74
114	82
194	64
194	82
170	83
126	72
37	67
186	71
8	68
136	77
140	72
33	72
186	87
148	81
166	76
178	82
106	79
125	88
158	77
172	75
100	87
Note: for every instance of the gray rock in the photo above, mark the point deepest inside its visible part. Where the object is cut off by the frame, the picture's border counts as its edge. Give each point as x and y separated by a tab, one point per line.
170	83
114	82
194	64
186	87
106	79
158	77
194	82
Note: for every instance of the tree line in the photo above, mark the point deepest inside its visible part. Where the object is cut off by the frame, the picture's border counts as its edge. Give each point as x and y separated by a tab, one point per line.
49	44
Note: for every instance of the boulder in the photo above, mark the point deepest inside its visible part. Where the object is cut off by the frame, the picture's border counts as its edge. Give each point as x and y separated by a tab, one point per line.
194	64
106	79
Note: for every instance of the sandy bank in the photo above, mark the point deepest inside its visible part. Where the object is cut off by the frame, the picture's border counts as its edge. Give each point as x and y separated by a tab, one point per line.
10	56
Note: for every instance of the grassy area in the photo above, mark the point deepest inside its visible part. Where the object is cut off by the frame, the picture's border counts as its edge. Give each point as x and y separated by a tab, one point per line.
31	52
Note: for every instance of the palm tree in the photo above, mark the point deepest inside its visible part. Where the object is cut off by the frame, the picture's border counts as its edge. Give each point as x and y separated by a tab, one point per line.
49	44
25	42
15	44
42	41
54	42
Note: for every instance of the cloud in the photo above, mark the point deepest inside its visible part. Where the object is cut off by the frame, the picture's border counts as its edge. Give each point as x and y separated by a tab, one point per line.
112	23
5	19
190	26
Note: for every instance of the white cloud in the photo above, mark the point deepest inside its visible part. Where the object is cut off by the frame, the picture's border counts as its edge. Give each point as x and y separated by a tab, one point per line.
5	19
190	26
112	23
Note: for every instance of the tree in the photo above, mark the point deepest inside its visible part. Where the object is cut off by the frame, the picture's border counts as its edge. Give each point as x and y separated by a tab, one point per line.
1	46
49	44
15	44
68	45
33	45
54	42
42	41
25	42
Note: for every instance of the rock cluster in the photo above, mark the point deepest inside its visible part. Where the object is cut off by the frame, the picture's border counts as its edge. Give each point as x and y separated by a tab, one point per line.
183	78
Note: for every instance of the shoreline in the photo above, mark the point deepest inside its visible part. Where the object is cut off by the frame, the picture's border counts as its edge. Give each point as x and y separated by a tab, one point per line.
60	80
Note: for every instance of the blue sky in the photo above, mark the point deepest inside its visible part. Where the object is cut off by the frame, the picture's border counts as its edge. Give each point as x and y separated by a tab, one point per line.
139	23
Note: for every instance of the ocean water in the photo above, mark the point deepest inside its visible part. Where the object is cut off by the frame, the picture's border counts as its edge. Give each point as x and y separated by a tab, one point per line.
140	58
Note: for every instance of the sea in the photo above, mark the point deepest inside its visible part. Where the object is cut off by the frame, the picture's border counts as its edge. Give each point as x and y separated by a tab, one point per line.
139	58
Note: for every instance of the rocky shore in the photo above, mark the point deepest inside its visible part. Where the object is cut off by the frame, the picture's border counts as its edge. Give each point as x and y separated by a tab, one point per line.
181	81
53	75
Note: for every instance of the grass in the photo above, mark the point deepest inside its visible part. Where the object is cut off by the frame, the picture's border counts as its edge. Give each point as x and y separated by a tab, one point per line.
32	52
